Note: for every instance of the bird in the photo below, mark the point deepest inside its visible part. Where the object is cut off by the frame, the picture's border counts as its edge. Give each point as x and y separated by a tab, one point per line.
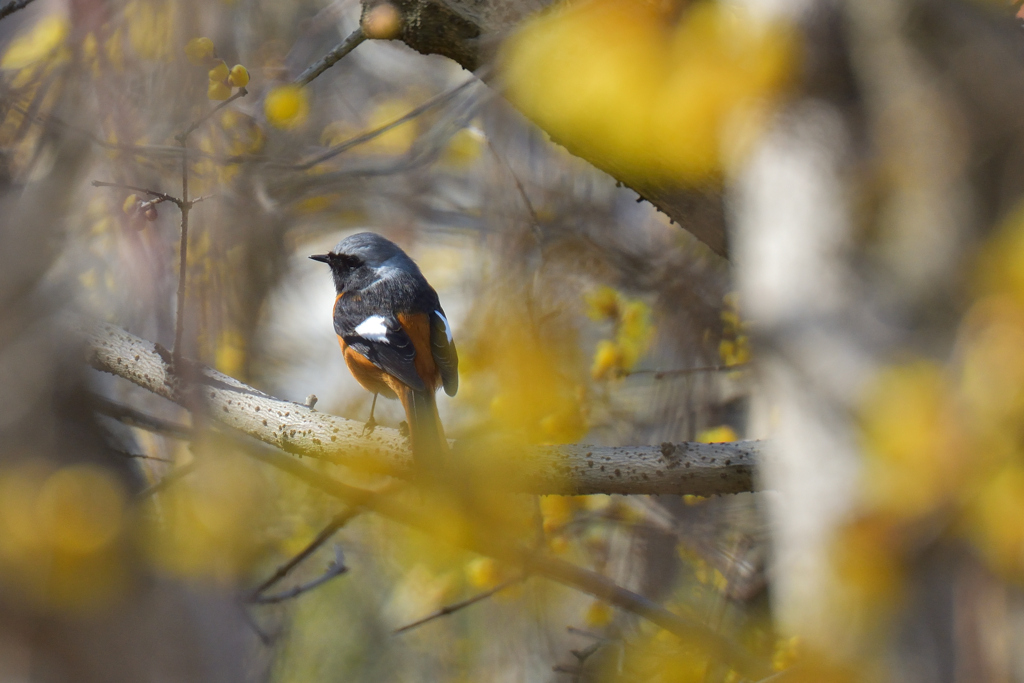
394	335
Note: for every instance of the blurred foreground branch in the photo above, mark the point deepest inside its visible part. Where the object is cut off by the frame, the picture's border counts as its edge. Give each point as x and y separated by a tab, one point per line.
683	468
529	561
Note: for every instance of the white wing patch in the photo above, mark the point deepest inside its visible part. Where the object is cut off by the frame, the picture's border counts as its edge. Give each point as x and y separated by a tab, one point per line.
447	327
375	329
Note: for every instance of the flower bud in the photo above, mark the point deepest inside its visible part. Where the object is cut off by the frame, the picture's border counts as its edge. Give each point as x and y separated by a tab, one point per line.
239	76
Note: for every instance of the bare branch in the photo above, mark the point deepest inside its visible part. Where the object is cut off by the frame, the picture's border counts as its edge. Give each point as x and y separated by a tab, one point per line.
335	568
450	609
13	6
681	468
135	418
369	135
241	92
140	456
332	57
168	479
339	521
662	374
153	193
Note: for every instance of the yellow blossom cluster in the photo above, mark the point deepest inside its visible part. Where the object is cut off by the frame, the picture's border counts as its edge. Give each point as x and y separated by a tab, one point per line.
624	82
734	348
201	52
633	331
942	441
287	106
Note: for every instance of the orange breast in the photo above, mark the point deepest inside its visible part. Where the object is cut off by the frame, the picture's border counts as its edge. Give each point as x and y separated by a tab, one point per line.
366	373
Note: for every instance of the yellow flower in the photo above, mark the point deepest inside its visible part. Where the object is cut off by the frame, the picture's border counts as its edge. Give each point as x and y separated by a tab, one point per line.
608	360
614	81
218	90
219	72
130	203
602	304
598	614
483	572
287	106
720	434
239	76
199	51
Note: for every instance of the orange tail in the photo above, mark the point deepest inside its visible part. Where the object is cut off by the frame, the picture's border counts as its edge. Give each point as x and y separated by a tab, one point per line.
426	433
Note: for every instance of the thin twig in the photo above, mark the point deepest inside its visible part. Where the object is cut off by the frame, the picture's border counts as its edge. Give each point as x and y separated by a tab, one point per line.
168	479
136	418
162	196
519	186
450	609
335	568
141	456
179	317
336	523
241	92
332	57
380	130
661	374
13	6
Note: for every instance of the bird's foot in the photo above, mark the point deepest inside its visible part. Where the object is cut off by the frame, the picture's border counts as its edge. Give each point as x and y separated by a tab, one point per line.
368	428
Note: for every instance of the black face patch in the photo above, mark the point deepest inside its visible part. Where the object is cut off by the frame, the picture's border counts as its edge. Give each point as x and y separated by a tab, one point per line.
347	261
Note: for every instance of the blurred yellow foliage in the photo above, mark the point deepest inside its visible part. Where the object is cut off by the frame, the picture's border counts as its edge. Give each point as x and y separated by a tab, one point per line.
614	80
527	384
557	511
209	524
631	319
58	530
734	348
599	614
151	26
397	140
483	573
287	106
911	440
867	558
41	42
786	653
464	147
602	303
199	51
995	520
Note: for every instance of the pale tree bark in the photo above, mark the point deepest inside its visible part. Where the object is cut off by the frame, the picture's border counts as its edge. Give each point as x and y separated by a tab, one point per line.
682	468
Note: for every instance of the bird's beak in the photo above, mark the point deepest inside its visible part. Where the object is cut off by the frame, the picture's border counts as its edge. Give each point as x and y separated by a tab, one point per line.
322	258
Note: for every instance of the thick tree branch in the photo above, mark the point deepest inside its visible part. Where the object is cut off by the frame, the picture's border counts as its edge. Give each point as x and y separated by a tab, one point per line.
683	468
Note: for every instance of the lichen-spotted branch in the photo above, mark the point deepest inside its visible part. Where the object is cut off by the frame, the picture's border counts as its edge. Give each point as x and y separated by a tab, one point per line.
680	468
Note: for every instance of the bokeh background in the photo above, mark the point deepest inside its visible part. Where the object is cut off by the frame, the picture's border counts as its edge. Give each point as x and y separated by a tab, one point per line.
826	252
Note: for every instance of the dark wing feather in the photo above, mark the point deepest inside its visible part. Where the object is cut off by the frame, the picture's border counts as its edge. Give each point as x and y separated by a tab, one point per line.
443	350
394	356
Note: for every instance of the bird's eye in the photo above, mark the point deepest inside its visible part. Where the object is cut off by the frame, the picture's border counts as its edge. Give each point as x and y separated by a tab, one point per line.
349	260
